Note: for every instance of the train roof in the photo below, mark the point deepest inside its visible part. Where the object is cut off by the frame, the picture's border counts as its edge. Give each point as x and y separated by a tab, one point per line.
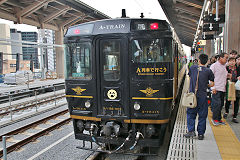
120	25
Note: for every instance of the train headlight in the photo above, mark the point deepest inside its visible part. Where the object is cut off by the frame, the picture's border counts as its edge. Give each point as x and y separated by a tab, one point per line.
87	104
136	106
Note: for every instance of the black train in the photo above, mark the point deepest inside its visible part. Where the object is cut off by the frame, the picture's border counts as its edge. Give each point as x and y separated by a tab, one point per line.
122	79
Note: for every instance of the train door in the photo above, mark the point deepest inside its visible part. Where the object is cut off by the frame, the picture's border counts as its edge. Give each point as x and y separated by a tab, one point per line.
112	74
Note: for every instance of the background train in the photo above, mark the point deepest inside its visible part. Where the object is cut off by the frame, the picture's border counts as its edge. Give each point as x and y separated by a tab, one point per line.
122	80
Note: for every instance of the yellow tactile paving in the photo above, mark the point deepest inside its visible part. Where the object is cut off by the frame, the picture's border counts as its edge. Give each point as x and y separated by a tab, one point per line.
228	143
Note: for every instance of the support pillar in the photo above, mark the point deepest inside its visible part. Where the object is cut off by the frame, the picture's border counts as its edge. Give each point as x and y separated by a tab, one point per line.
59	54
232	26
208	48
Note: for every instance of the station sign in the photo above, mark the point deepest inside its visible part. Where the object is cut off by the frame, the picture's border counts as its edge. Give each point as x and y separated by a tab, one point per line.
120	26
208	37
212	18
201	42
210	27
199	49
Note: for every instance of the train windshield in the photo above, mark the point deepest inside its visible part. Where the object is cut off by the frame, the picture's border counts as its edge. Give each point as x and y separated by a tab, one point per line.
151	50
111	55
78	60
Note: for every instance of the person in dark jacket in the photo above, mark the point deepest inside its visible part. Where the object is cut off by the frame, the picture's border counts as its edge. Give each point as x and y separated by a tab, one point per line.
211	61
235	73
205	75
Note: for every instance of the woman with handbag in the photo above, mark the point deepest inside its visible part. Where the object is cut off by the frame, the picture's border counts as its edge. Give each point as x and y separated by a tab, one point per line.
235	73
199	78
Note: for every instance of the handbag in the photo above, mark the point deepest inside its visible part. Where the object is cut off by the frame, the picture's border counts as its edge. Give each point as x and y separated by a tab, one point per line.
237	85
189	99
231	92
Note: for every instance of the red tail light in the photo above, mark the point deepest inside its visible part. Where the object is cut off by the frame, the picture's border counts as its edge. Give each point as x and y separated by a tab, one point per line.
76	31
154	26
209	102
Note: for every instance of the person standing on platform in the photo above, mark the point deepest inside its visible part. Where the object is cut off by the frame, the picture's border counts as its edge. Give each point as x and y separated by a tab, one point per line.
211	61
195	62
218	90
233	54
235	73
190	64
205	75
238	61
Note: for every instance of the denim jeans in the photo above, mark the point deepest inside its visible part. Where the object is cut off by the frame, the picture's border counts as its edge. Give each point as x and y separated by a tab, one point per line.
236	107
217	105
202	111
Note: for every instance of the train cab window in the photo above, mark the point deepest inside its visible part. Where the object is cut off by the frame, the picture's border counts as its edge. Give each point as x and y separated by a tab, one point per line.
79	59
111	59
151	50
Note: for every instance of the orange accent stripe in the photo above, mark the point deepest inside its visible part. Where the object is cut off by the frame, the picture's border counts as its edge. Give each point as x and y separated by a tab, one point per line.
152	98
148	121
79	96
85	118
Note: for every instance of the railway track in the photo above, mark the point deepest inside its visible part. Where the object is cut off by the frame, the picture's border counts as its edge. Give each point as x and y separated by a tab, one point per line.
32	131
106	156
29	103
24	92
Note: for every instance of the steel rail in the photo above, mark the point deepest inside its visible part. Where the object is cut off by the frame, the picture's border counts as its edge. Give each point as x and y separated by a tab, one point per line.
35	135
30	104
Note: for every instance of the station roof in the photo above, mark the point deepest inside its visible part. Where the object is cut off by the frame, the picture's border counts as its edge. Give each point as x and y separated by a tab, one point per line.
184	16
49	14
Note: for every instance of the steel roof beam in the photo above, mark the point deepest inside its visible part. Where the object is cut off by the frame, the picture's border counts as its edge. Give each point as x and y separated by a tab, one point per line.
81	20
187	26
193	3
188	17
32	8
186	39
186	30
61	10
12	17
185	36
187	23
3	1
179	30
83	8
70	20
190	10
37	8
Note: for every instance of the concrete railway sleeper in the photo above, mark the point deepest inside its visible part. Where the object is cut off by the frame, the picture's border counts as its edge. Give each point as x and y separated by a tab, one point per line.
16	144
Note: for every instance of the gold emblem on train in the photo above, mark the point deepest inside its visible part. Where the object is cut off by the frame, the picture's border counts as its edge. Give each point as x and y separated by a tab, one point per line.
149	91
78	90
112	94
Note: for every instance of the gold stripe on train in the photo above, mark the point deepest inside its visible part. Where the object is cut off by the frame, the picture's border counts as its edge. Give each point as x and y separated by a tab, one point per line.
152	98
78	96
147	121
85	118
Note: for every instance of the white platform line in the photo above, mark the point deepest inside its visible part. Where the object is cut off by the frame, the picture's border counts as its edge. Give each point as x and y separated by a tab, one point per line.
49	147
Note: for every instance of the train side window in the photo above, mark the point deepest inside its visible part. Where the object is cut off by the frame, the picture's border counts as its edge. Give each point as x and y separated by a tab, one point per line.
79	59
151	50
111	59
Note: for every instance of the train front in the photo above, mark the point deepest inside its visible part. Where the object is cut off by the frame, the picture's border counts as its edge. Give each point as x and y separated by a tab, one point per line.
119	82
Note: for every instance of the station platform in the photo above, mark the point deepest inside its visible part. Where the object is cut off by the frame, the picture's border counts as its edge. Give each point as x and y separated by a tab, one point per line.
220	142
5	89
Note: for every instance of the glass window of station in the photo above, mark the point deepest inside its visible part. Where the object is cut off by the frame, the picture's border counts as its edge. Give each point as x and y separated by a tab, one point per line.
79	60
